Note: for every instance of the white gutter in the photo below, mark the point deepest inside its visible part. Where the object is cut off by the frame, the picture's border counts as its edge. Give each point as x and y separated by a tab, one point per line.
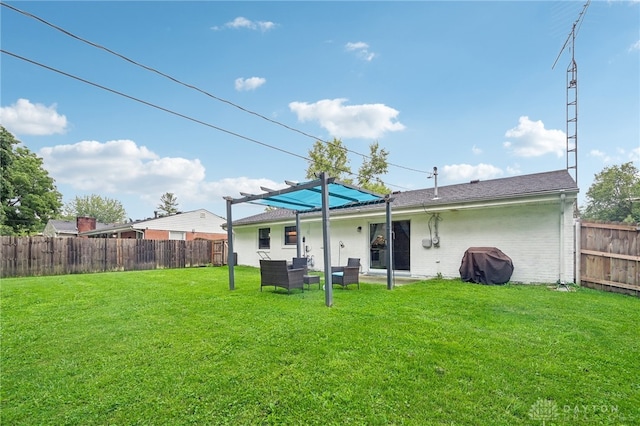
561	278
548	197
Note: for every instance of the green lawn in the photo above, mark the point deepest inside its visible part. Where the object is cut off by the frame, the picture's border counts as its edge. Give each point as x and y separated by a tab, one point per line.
172	347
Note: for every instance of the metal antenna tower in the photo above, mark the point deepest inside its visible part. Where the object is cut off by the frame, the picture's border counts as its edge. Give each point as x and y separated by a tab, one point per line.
572	95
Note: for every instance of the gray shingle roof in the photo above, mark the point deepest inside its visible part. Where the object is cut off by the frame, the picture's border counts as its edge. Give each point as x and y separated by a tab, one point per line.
516	186
70	226
494	189
140	224
64	226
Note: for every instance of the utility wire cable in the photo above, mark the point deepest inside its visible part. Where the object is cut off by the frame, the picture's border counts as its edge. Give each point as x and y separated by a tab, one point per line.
133	98
154	70
167	110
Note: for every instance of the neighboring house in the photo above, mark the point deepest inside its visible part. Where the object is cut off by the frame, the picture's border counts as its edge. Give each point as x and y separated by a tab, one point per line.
193	225
69	228
528	217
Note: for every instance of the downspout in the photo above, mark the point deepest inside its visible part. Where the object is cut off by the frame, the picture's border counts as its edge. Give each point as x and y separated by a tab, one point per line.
561	278
389	253
577	257
230	263
435	181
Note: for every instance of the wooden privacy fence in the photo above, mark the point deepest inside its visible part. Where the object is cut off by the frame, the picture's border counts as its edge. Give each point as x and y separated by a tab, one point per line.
610	257
33	256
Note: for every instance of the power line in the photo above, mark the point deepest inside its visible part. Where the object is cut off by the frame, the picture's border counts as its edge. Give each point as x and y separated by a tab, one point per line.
167	110
133	98
175	80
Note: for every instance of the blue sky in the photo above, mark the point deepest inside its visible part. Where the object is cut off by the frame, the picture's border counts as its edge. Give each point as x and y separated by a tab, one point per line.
467	87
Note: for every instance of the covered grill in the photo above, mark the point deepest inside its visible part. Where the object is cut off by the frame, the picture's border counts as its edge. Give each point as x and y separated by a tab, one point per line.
486	265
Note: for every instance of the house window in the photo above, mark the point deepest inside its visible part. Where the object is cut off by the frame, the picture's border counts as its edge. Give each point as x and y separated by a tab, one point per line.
264	238
177	235
290	235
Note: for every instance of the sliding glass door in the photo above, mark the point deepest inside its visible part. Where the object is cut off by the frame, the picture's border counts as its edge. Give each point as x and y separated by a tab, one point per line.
401	245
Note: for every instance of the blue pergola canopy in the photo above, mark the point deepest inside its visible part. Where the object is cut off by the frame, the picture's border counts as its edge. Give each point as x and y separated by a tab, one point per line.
322	194
308	196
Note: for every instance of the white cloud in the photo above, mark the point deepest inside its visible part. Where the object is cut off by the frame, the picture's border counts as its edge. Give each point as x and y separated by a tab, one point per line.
359	45
514	170
361	49
634	46
531	139
119	166
596	153
621	156
25	118
124	168
630	2
234	186
252	83
476	150
369	121
467	172
244	23
240	22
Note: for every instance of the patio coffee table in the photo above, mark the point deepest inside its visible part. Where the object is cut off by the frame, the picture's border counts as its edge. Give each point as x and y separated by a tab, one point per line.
311	279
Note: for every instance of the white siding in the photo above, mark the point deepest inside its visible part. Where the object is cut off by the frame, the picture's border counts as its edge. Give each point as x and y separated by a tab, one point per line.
246	243
199	220
49	230
528	233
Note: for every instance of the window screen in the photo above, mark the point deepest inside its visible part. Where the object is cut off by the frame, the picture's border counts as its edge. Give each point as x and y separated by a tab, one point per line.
264	238
290	235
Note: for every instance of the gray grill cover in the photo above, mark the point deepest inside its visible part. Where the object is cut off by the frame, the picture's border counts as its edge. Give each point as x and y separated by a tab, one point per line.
486	265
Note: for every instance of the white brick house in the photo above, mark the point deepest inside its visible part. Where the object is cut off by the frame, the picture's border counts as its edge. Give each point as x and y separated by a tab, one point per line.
528	217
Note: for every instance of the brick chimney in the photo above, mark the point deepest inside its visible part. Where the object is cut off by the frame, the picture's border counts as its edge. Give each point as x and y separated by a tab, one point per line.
85	224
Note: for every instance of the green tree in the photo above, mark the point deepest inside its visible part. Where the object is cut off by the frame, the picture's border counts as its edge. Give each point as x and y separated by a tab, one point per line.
168	204
330	158
615	195
103	209
371	169
28	194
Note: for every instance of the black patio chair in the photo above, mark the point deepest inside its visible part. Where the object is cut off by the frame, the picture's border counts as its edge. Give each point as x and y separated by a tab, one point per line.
278	274
345	275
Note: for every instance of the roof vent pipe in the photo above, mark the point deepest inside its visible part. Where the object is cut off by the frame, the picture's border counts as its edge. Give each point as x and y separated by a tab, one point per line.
435	181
